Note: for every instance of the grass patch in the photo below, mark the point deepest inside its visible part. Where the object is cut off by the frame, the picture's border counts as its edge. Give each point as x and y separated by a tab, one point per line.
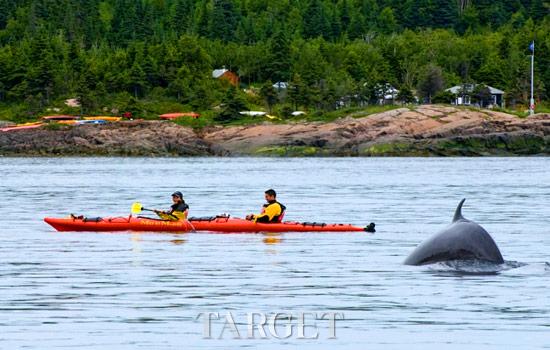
17	113
384	149
354	112
56	126
288	151
206	119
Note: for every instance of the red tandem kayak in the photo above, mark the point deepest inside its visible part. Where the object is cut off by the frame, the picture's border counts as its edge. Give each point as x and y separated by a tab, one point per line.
221	224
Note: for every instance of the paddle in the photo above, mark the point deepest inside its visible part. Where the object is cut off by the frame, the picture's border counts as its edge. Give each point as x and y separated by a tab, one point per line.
138	208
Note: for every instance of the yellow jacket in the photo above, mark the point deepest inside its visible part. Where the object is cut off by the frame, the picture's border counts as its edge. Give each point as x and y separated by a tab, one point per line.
177	212
174	216
272	213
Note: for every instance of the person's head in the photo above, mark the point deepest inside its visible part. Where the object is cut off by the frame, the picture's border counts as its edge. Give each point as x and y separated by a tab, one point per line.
177	197
270	195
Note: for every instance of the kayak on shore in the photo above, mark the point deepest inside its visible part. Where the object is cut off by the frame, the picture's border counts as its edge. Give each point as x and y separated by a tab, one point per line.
221	224
23	126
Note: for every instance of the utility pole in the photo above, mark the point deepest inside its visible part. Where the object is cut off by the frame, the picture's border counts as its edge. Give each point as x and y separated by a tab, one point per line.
532	100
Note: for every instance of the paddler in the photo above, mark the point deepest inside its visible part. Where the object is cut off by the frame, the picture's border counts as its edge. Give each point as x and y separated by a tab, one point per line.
272	211
178	210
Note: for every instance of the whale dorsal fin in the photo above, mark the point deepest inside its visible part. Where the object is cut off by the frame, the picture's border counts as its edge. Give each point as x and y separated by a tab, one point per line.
458	212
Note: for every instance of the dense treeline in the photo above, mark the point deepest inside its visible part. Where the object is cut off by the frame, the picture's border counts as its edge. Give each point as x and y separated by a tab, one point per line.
122	52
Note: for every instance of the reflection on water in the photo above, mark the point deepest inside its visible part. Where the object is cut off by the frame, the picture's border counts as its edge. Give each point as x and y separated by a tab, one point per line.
272	238
130	291
178	241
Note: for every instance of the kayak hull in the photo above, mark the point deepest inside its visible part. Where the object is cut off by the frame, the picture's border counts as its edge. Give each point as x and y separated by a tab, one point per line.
215	224
236	225
112	224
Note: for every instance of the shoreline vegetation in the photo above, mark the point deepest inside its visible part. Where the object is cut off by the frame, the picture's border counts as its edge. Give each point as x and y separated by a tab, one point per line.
425	130
220	57
342	77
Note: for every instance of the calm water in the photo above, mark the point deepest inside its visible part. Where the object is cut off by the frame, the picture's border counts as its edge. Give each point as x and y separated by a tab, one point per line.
132	291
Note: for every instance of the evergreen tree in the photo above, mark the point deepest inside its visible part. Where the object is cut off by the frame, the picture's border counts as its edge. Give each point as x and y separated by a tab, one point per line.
137	80
482	95
417	14
444	97
444	13
269	94
279	62
315	20
345	13
41	73
357	27
181	85
125	20
183	13
430	83
225	17
202	15
469	20
8	8
233	103
386	21
86	92
405	95
298	92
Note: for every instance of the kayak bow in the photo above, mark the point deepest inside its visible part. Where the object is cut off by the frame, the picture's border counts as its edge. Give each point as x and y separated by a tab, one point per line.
107	224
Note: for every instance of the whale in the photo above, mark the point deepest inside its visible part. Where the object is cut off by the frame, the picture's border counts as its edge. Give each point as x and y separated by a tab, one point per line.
463	239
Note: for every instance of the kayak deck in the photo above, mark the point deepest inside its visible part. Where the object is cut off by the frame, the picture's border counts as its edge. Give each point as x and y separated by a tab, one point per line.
228	224
112	224
221	224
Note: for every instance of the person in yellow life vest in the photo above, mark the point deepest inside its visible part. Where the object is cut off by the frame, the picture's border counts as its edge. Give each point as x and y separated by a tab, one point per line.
272	211
178	210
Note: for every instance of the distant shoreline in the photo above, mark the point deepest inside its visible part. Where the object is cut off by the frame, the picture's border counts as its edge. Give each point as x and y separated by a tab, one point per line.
427	131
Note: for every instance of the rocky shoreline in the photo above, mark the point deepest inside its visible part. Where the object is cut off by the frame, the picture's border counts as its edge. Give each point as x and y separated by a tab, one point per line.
429	130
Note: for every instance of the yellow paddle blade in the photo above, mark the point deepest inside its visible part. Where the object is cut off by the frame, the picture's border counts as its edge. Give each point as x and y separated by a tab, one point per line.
136	208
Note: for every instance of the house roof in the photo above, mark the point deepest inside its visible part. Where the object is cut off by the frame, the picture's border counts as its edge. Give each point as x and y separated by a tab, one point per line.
470	87
216	73
495	91
280	85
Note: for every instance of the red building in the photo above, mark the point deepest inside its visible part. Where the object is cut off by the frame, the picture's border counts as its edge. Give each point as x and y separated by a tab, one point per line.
226	74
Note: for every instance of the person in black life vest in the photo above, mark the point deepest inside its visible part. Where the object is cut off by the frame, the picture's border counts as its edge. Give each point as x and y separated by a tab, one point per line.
178	210
272	211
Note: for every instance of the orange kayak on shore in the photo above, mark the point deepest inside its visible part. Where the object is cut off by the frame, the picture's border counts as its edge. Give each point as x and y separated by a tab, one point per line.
24	126
221	224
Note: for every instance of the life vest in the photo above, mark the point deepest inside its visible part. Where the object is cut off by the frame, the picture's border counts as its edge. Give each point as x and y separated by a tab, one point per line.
264	217
176	213
279	218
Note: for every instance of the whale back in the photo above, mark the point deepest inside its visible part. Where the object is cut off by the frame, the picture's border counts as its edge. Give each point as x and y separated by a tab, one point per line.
461	240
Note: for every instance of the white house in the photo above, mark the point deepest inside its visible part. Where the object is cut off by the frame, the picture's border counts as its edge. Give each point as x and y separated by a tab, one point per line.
385	93
464	94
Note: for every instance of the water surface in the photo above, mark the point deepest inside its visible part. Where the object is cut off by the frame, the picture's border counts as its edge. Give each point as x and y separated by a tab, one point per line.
144	291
